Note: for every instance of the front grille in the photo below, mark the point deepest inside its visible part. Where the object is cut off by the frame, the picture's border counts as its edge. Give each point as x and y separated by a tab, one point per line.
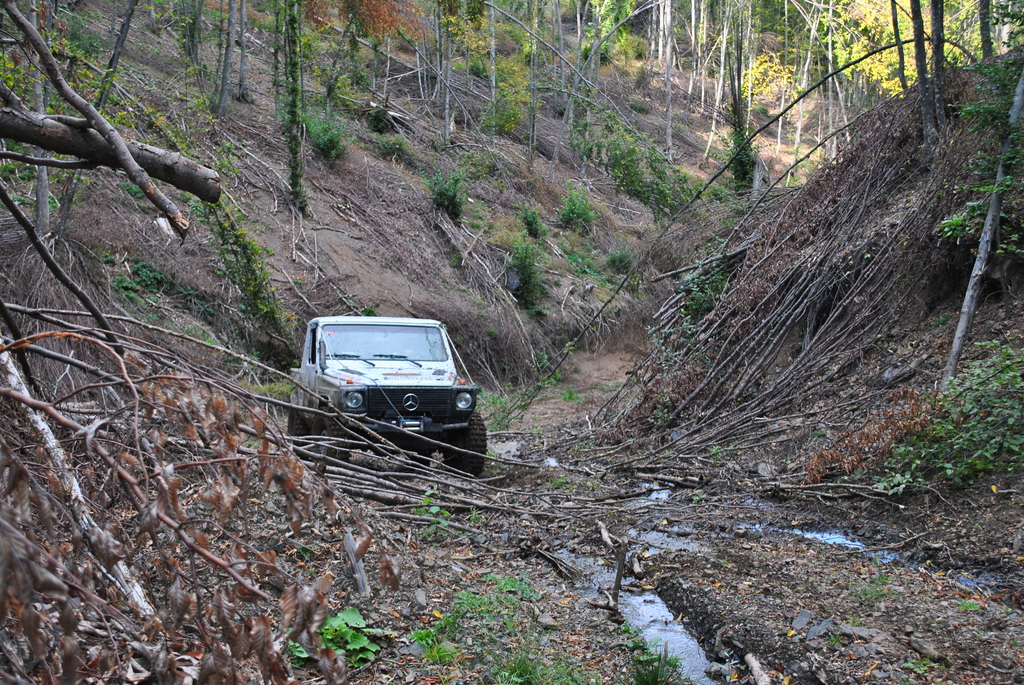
436	402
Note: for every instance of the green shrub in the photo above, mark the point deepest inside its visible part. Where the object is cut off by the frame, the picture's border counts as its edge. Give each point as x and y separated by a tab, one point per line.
379	121
977	425
394	147
328	135
529	289
576	213
344	632
640	170
532	222
620	262
503	115
449	193
640	106
478	67
745	162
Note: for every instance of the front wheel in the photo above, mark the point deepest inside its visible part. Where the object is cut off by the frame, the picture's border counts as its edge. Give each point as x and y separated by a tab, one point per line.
474	439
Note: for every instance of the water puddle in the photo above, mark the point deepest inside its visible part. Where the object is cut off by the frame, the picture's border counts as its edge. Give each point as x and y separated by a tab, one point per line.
648	614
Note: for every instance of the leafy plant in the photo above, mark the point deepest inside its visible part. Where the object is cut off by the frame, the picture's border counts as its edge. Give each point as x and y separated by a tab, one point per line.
528	289
328	135
639	168
345	632
653	668
243	261
976	423
874	592
503	115
576	213
532	222
745	161
967	605
448	191
145	278
620	261
394	147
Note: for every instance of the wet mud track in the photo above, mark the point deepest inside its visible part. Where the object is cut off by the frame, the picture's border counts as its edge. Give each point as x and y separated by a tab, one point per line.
818	605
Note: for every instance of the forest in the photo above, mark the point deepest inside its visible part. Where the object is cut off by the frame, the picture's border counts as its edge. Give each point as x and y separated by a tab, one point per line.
738	280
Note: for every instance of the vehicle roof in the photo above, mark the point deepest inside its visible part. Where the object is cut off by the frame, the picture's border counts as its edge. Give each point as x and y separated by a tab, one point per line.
376	320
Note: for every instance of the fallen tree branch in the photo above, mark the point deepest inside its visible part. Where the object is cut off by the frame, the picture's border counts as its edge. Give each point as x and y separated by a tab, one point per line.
131	588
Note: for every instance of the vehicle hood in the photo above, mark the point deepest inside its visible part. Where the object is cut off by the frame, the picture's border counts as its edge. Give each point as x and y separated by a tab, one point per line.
398	373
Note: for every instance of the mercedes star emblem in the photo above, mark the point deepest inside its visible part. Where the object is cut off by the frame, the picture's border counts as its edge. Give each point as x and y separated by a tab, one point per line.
411	402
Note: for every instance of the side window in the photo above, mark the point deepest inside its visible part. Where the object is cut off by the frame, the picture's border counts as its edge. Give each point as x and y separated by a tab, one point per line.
311	338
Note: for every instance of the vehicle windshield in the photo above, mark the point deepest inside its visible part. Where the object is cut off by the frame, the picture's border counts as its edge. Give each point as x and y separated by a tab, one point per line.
378	341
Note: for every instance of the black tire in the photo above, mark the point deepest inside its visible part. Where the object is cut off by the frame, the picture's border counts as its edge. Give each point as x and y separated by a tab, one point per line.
473	439
297	423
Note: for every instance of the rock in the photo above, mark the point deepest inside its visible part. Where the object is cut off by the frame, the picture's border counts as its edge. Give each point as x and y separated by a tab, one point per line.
927	648
414	649
881	675
820	629
765	470
857	651
547	620
726	671
802	619
864	633
419	598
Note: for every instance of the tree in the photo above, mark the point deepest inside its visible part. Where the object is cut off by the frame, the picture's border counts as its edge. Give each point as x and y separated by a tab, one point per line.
923	84
93	121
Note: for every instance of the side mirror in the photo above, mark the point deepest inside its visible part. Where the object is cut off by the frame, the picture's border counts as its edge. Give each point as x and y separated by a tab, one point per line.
321	355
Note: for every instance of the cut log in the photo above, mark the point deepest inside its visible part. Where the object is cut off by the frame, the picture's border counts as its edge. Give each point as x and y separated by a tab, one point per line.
87	144
988	232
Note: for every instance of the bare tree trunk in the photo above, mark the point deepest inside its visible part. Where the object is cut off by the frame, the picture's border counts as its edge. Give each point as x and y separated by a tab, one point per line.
921	60
985	27
229	49
938	58
812	28
42	173
242	91
970	305
669	58
720	86
899	44
494	69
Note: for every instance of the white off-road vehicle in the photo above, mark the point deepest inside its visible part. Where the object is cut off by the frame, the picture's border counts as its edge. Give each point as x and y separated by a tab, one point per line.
390	374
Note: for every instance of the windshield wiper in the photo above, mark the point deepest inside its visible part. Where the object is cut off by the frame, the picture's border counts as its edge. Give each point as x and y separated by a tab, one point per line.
399	356
345	355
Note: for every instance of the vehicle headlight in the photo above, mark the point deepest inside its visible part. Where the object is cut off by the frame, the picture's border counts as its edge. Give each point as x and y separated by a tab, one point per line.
464	400
353	400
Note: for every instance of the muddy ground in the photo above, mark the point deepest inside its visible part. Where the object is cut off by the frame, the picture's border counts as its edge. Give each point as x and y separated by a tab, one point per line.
820	588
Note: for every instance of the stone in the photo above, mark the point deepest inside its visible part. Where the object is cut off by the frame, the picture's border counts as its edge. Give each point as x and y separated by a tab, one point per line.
547	620
802	619
857	651
726	671
926	648
765	470
864	633
820	629
414	649
420	598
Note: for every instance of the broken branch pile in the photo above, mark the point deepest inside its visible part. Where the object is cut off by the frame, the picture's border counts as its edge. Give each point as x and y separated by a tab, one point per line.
827	274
